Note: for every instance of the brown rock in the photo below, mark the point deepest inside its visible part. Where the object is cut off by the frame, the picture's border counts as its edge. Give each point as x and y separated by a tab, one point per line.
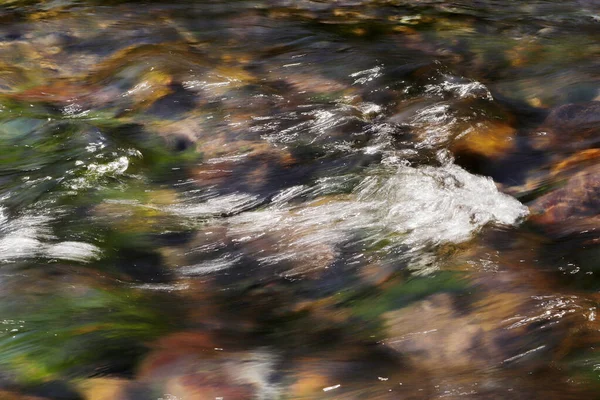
572	208
576	161
312	83
501	329
187	365
254	162
569	127
6	395
173	350
198	387
431	334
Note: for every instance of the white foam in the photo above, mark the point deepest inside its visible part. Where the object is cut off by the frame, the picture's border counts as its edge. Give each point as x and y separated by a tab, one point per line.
437	122
362	77
29	236
417	206
73	251
459	89
216	206
211	266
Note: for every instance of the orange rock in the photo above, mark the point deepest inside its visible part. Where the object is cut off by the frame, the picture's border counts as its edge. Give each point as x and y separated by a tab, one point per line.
525	54
404	29
104	389
57	92
309	383
490	139
584	157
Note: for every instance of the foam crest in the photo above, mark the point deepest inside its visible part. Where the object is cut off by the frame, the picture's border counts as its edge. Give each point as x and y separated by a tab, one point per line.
416	207
30	236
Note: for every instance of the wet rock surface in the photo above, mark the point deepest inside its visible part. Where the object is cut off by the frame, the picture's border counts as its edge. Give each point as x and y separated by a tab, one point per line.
570	127
572	208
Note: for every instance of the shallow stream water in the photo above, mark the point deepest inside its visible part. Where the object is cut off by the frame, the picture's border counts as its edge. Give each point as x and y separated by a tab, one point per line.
299	199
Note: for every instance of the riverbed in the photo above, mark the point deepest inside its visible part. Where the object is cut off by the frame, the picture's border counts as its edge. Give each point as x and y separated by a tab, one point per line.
299	199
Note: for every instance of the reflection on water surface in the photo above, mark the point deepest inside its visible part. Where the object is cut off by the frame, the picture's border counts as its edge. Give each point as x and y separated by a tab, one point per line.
305	200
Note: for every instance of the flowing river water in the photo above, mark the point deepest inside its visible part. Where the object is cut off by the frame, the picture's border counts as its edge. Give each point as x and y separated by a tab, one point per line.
299	199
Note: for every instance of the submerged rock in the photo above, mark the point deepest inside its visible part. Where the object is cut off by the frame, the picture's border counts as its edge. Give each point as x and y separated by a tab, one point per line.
570	127
188	365
576	162
491	140
113	389
251	167
498	330
7	395
572	208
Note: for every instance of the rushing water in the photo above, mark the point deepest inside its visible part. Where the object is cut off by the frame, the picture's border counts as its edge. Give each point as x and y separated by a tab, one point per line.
299	199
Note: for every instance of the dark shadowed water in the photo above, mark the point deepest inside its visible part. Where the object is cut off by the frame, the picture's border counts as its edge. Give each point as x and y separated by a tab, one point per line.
299	200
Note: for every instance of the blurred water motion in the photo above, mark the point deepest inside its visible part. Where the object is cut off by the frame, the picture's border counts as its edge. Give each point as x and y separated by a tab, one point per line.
306	200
